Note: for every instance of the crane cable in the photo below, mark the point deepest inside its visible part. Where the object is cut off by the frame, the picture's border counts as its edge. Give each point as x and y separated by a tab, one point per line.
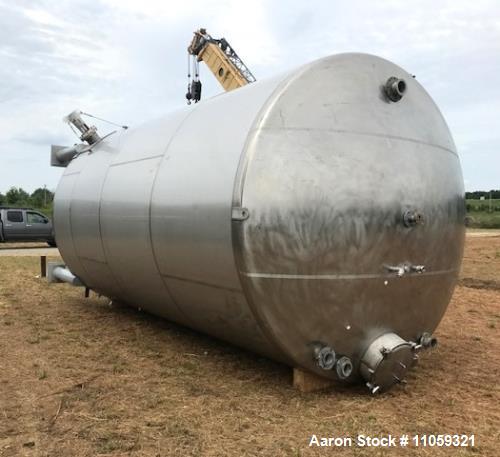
194	84
188	93
196	65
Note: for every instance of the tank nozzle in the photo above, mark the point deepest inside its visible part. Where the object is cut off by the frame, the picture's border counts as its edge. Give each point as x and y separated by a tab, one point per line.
344	367
325	357
427	341
395	88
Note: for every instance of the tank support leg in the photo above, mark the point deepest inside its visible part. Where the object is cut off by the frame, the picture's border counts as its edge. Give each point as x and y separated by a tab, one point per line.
305	381
43	266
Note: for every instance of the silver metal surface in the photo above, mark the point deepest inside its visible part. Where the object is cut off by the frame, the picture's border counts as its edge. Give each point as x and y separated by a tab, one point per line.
57	272
88	133
386	362
60	156
267	216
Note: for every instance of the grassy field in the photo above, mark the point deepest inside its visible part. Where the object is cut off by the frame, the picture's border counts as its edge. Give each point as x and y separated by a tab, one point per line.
483	205
484	220
83	377
483	214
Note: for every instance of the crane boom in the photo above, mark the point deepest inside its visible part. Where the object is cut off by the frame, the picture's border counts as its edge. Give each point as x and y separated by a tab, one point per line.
221	59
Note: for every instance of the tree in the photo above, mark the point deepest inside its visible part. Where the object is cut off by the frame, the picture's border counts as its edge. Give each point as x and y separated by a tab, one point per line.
2	199
41	197
477	194
17	196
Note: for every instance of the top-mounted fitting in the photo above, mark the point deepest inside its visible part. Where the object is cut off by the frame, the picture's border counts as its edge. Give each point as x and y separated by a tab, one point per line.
88	133
395	88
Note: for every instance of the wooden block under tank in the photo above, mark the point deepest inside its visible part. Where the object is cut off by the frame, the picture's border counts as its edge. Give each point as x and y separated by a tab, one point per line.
305	381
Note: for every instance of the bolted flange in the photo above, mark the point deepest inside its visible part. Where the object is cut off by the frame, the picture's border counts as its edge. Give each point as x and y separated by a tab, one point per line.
386	361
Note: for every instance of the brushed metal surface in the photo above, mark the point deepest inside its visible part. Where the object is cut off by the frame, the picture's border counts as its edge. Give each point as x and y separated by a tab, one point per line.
321	230
325	167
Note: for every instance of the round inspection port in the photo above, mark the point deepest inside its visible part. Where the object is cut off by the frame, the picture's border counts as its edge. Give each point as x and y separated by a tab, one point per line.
221	71
386	362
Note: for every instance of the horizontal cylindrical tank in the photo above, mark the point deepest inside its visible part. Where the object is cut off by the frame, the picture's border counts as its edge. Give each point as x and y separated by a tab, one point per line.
316	217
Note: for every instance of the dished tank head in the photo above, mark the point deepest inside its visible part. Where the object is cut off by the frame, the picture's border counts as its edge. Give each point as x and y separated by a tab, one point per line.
317	217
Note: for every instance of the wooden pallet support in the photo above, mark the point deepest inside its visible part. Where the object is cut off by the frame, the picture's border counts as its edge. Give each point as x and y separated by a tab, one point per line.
305	381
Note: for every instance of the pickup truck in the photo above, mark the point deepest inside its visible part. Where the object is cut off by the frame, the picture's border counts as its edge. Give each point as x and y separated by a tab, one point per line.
25	224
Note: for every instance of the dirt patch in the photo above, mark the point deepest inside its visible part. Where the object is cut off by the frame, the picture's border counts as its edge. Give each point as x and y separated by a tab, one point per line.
483	233
482	259
29	252
475	283
83	377
23	245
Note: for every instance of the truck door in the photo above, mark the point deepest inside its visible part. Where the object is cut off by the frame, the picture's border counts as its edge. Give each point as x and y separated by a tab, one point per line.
14	225
37	226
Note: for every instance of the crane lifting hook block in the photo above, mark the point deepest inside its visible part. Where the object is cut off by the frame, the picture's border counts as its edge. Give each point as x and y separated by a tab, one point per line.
220	58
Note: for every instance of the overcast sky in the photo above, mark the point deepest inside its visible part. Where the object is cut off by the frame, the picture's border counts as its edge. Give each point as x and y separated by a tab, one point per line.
126	61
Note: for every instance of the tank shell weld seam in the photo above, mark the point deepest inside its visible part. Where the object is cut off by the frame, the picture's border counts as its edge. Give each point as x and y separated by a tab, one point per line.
246	158
260	119
102	262
341	277
203	283
354	132
150	238
126	162
101	240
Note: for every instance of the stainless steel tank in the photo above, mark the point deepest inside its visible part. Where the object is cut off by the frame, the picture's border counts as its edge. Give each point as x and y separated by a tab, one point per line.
316	217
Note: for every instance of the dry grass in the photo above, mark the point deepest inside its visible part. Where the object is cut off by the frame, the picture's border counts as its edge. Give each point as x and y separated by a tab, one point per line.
482	260
81	378
23	245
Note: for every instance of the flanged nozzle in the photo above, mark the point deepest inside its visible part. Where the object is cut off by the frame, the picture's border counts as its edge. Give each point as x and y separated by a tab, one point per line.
395	88
428	341
325	357
412	218
344	367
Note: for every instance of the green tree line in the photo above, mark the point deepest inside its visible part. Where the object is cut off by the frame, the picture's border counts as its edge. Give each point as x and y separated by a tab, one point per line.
477	194
40	199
